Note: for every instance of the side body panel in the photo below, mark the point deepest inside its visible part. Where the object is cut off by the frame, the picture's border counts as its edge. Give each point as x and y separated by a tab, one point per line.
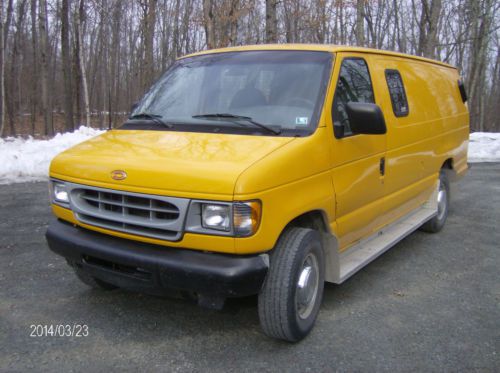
415	148
435	129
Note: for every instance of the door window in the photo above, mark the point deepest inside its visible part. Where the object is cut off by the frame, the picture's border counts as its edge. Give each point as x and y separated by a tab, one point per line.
354	85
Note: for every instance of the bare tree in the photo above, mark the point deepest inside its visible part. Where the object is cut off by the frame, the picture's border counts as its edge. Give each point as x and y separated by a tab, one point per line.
111	55
4	34
46	107
271	22
2	68
82	75
114	87
149	21
66	66
428	27
481	24
34	66
13	97
360	32
209	22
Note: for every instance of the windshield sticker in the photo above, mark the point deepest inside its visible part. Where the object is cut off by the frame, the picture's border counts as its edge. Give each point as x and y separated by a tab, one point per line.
301	121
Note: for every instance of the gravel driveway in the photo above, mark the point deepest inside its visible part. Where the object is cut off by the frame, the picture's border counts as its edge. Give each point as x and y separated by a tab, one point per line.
429	304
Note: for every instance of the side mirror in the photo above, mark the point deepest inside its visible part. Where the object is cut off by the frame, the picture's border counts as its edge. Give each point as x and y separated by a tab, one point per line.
365	118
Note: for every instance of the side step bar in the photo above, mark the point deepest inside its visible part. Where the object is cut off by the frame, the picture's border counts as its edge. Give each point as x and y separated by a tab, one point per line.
365	251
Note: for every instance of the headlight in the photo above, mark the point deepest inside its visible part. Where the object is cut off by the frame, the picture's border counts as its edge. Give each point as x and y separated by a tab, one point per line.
236	219
59	192
246	218
216	217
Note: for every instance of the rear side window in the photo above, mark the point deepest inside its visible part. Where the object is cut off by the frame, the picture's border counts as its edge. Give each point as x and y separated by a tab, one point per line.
397	93
354	85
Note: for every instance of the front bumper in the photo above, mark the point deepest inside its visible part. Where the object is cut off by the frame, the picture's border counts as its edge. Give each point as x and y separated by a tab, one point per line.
156	269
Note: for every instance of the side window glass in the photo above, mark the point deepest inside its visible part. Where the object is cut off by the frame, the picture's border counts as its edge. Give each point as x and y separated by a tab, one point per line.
354	85
397	93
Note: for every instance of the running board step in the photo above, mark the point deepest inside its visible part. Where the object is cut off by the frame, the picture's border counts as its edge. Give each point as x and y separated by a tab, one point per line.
356	257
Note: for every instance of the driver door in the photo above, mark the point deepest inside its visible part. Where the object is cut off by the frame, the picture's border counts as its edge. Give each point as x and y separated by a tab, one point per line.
358	160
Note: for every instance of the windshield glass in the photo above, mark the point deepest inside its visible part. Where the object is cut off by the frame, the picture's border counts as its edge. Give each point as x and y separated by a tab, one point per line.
281	90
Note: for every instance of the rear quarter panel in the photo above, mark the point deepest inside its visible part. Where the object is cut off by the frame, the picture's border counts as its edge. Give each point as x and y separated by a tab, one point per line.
435	129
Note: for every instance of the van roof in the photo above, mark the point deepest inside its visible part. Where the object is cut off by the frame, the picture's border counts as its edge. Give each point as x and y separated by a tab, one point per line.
317	47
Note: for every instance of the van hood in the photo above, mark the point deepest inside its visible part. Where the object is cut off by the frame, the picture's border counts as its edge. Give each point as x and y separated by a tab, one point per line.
177	163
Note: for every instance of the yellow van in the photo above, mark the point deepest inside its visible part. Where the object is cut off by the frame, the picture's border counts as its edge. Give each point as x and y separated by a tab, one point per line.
263	170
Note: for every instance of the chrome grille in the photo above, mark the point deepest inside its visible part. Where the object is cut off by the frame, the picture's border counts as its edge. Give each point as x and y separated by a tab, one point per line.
139	214
122	204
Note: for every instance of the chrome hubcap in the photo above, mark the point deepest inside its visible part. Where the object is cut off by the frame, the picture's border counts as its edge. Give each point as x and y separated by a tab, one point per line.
307	286
441	201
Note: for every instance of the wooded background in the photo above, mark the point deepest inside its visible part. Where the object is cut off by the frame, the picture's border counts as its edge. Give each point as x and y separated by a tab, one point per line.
64	63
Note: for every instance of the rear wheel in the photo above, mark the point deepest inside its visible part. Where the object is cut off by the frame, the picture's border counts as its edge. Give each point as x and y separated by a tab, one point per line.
290	299
443	201
92	281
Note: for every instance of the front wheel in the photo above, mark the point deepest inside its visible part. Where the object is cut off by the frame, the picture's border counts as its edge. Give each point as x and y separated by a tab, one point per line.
435	224
290	299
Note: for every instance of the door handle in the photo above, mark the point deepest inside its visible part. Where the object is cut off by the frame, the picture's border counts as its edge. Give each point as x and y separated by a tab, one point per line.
382	166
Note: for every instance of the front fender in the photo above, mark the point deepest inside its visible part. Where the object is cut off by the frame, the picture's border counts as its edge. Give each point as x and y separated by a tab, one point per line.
283	204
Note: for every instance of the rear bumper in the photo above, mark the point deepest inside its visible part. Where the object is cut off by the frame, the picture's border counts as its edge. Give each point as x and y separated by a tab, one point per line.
156	269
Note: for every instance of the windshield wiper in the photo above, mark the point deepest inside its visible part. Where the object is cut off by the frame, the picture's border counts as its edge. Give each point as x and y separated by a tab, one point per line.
156	118
237	117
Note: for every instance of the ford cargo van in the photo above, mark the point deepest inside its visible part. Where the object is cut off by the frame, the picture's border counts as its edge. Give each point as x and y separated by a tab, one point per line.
263	170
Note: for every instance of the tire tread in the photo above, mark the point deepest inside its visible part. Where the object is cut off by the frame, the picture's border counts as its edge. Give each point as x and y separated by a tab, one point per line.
273	310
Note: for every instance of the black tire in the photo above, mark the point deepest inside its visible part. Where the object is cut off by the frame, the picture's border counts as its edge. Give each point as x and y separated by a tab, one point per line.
435	224
281	314
93	282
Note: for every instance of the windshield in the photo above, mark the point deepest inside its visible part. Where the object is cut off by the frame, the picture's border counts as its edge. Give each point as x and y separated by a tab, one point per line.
238	92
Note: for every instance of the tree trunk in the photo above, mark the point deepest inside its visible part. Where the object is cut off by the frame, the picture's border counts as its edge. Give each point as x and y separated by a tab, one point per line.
4	33
429	20
478	59
77	77
34	67
44	48
81	62
2	69
115	53
149	29
175	35
208	21
13	96
8	20
231	31
271	22
360	32
66	65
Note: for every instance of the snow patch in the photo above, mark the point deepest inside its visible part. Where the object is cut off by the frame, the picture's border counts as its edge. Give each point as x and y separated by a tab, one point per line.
24	160
484	147
28	159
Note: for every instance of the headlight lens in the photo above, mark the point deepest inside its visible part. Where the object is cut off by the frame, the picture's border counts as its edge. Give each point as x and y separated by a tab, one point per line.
60	193
246	217
216	217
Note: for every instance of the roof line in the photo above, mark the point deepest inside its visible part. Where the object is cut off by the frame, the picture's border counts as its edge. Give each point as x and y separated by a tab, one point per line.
318	47
392	53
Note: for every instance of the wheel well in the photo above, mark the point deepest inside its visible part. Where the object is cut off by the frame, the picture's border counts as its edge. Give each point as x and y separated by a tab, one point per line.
448	164
312	219
318	220
447	167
